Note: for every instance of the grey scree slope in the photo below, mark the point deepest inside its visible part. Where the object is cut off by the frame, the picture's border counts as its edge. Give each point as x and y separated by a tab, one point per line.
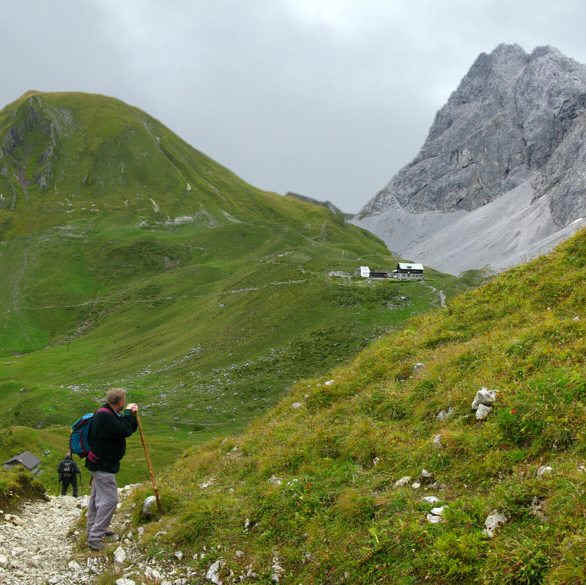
501	177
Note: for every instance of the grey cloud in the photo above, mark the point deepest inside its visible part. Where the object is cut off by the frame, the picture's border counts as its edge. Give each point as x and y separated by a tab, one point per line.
328	98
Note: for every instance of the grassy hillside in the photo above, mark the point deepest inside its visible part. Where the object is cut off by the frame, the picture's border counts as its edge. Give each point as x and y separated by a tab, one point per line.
129	258
312	483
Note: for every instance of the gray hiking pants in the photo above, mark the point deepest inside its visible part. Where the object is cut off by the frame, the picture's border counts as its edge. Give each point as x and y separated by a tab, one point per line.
102	505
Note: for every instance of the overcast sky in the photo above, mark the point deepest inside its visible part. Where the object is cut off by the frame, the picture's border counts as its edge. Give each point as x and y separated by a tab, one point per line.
328	98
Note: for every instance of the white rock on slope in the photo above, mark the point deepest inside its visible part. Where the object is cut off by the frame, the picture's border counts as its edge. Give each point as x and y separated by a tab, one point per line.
484	396
493	521
544	470
403	481
213	572
483	411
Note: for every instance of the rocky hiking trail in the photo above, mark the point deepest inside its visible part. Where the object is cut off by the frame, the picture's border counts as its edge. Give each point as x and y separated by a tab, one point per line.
43	544
37	545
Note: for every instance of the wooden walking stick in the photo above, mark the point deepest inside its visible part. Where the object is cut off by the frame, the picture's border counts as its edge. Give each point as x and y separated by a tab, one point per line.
149	464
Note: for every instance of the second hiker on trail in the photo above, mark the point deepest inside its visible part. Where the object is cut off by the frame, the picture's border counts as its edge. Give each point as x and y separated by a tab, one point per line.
110	426
68	472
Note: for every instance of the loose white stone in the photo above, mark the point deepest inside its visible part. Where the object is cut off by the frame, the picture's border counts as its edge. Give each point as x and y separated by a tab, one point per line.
239	554
416	485
544	470
484	396
444	415
275	480
328	383
18	551
153	574
178	555
296	405
433	519
148	506
493	521
276	570
14	519
483	411
425	476
403	481
125	581
3	560
120	556
213	573
74	566
437	441
418	366
431	499
438	511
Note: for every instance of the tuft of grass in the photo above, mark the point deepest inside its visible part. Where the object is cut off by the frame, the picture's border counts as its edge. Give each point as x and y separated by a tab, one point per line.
17	487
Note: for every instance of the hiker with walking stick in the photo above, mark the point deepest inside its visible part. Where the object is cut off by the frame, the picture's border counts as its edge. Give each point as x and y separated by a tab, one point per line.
110	426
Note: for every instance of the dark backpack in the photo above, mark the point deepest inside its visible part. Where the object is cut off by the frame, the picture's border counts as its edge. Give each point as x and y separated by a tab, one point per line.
67	468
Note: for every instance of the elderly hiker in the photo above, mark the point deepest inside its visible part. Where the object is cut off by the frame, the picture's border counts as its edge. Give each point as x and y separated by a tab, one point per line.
68	472
109	428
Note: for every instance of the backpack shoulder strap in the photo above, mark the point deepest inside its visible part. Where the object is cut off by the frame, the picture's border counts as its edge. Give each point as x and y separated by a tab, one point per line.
104	409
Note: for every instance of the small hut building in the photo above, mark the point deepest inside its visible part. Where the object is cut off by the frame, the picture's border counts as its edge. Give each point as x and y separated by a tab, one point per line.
408	270
26	460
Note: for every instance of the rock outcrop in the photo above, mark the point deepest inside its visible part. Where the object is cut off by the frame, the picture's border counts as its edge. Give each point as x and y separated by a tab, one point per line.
501	177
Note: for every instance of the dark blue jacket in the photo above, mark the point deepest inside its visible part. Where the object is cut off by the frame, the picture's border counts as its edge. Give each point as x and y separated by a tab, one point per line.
107	438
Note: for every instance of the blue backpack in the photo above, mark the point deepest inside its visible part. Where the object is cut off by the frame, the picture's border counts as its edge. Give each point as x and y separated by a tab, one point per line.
79	438
80	430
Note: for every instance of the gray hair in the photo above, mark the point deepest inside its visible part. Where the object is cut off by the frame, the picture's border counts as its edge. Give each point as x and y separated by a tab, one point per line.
115	395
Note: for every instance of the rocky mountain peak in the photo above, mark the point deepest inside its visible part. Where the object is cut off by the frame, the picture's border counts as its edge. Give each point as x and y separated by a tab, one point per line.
511	120
547	51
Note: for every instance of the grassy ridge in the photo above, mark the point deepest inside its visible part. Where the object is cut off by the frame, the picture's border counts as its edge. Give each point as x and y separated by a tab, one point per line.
312	482
130	258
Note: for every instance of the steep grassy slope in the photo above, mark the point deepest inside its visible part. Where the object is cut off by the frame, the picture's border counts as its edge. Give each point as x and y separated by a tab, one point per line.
310	486
129	258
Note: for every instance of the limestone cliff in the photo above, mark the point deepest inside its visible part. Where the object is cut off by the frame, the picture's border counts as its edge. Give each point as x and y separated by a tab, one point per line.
514	127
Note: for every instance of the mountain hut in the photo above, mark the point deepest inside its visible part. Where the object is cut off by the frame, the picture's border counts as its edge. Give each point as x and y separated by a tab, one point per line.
408	270
26	460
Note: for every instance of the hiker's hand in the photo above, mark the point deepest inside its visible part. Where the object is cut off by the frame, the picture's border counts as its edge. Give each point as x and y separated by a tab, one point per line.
133	407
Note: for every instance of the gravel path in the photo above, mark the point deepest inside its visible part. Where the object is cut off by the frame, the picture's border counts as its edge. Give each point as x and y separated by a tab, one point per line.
36	548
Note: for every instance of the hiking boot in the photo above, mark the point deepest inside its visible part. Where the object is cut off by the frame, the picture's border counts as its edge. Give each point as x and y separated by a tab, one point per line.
109	533
95	545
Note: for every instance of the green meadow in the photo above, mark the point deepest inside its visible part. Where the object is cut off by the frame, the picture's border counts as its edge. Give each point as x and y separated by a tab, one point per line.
128	258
